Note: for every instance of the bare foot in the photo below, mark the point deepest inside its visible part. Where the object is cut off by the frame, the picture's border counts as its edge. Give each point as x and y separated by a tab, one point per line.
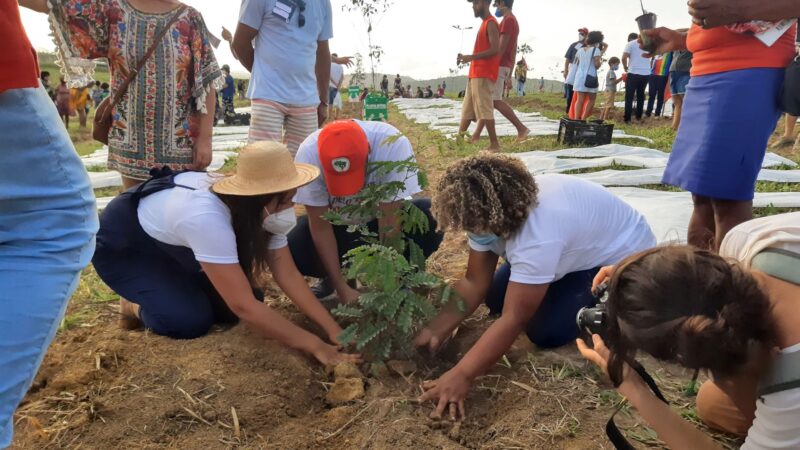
494	148
524	135
782	142
129	315
474	139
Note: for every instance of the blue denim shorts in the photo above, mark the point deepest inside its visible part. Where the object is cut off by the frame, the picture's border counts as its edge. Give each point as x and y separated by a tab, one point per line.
48	221
678	82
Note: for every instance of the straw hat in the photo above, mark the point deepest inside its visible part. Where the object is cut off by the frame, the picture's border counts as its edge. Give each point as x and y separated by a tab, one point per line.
266	168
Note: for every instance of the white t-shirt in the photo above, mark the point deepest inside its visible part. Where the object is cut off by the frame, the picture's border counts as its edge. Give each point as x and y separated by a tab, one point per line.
577	225
777	422
316	193
638	64
196	219
748	239
586	67
337	73
285	52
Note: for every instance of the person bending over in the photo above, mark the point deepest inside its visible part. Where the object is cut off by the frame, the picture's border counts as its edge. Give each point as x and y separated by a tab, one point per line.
346	152
185	250
736	316
554	232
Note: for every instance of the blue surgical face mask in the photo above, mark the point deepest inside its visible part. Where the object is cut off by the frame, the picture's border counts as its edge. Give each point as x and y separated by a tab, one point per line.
498	13
483	239
614	67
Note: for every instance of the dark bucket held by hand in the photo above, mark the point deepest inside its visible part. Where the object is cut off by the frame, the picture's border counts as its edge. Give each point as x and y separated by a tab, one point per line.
647	21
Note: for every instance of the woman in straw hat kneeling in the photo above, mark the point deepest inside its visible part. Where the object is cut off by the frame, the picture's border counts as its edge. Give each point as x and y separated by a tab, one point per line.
185	250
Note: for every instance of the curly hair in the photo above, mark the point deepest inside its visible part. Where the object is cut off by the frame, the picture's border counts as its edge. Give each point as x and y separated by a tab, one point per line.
688	306
485	194
595	37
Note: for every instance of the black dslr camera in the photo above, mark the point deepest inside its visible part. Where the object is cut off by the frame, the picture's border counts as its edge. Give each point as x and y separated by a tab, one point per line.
593	319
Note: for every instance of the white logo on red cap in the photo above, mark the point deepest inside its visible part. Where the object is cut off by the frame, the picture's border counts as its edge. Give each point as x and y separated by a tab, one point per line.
340	165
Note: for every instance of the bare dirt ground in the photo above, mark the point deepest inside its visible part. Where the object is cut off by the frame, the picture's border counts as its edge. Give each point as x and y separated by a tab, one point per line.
103	388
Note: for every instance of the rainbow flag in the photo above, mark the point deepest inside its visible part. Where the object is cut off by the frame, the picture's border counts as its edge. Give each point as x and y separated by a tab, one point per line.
661	66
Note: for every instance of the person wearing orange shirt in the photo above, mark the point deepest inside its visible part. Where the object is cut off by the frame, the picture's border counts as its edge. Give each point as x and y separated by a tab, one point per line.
509	33
730	110
483	71
729	113
79	99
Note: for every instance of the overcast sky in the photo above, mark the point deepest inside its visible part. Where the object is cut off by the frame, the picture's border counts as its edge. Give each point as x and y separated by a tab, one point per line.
418	38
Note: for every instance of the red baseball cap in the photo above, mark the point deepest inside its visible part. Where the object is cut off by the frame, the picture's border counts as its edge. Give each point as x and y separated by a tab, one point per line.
343	150
583	30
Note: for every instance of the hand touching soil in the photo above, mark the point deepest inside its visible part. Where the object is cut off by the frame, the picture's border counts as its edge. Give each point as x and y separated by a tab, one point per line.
430	340
449	392
331	355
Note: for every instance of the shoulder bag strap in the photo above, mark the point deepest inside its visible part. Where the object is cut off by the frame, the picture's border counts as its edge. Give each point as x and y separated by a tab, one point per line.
782	376
131	76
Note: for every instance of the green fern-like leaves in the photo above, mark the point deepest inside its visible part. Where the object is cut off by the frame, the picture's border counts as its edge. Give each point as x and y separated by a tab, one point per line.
347	311
405	318
369	333
398	295
348	335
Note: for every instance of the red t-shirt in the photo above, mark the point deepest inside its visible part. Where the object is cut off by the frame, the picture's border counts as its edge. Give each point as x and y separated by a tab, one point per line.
509	26
20	68
489	67
720	50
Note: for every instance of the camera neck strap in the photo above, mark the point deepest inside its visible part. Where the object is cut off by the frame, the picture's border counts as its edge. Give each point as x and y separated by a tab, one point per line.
612	431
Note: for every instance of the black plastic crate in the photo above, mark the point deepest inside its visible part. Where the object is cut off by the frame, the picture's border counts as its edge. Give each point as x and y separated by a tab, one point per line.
580	132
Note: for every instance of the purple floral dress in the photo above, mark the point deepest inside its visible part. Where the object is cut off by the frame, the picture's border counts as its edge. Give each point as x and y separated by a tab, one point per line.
153	122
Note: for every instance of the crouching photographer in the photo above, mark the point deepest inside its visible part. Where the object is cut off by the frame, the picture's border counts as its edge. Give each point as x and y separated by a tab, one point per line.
735	316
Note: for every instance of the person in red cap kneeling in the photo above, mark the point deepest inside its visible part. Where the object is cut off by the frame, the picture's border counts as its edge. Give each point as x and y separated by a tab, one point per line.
343	151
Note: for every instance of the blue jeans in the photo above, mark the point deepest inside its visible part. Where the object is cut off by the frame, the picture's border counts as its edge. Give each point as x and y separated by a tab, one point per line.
48	221
520	88
553	325
332	91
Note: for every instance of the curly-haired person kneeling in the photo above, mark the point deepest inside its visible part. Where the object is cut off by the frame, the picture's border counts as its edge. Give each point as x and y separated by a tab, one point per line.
736	315
554	232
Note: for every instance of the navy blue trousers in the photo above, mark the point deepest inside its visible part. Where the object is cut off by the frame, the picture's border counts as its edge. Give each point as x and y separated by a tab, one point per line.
553	325
176	298
305	253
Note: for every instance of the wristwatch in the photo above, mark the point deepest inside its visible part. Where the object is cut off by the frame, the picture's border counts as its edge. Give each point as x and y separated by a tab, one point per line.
324	103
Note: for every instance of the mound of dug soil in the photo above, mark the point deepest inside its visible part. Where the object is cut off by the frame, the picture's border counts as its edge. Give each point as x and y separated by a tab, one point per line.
103	388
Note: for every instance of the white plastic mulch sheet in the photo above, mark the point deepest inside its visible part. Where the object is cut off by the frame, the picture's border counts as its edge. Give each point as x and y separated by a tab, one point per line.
667	212
223	140
444	115
651	161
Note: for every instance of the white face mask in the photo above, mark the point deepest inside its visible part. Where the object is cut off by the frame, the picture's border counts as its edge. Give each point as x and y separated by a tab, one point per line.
280	223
